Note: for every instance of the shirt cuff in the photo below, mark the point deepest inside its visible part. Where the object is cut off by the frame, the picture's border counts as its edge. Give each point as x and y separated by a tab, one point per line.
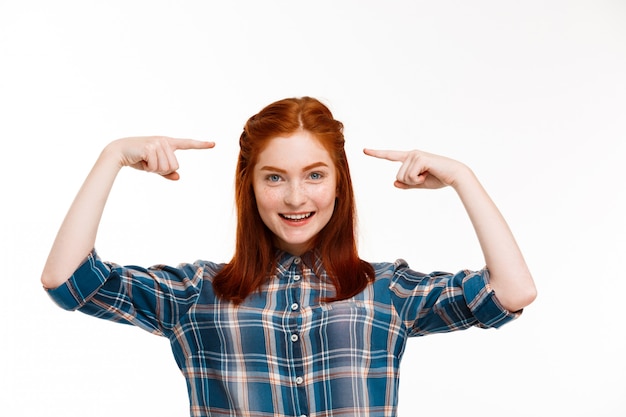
82	285
482	301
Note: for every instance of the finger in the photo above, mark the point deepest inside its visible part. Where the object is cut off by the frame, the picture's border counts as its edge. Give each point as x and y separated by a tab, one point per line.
411	172
167	161
405	171
401	185
401	176
150	161
412	179
173	176
189	144
389	155
404	186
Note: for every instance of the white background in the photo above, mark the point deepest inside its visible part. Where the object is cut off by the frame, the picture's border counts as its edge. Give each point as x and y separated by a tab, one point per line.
530	94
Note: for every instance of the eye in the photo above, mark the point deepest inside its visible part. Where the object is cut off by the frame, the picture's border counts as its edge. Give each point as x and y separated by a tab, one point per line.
273	178
316	176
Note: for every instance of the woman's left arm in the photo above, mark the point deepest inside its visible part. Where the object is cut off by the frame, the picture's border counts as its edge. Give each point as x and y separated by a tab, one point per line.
509	275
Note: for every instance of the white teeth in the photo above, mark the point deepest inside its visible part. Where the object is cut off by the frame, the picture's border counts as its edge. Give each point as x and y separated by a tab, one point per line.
296	216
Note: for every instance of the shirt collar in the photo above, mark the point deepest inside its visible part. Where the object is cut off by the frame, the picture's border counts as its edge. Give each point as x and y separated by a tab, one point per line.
312	259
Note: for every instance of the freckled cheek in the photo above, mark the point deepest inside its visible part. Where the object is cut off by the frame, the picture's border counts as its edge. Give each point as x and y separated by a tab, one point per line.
268	198
324	196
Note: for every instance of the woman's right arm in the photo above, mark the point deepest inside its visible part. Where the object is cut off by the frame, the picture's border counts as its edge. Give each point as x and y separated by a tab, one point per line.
77	235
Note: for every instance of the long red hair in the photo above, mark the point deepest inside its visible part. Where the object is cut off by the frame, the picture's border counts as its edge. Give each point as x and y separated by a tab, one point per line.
254	258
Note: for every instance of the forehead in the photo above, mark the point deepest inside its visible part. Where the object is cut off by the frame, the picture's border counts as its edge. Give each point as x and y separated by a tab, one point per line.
297	150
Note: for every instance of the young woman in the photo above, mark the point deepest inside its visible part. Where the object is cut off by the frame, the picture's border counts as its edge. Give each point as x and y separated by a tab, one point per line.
296	324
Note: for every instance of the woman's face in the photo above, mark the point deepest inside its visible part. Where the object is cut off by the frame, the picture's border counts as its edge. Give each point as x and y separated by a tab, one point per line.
295	183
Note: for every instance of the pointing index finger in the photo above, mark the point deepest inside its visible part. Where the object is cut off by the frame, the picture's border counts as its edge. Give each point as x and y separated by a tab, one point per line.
190	144
389	155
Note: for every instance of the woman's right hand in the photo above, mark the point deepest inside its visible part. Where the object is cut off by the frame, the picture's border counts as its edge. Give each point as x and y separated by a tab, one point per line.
77	235
153	153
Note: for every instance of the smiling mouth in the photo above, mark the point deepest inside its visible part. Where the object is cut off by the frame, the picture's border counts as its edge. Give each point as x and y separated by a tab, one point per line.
297	217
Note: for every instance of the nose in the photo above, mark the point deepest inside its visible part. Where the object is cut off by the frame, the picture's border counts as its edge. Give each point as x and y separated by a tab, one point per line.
295	195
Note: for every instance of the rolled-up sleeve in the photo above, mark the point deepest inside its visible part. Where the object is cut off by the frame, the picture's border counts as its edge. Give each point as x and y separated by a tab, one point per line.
151	298
443	302
82	285
483	302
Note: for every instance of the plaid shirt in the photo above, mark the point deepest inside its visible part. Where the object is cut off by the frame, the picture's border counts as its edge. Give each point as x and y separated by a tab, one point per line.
282	352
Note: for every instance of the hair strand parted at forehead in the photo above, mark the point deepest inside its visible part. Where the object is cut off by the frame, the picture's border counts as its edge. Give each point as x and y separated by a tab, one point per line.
254	258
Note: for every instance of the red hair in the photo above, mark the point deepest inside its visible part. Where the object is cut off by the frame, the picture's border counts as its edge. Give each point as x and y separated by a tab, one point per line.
254	258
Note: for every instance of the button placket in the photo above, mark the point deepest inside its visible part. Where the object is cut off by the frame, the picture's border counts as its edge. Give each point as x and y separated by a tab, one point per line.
294	337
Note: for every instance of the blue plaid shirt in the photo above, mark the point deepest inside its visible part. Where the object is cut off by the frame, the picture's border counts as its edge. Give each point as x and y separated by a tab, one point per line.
282	352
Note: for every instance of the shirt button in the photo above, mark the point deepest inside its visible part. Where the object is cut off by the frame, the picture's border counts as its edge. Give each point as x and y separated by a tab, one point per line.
296	261
299	380
294	337
296	277
294	306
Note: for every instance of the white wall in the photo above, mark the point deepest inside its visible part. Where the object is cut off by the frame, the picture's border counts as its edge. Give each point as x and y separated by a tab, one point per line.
530	94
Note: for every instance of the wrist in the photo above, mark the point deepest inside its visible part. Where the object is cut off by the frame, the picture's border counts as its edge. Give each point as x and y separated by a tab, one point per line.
111	155
463	177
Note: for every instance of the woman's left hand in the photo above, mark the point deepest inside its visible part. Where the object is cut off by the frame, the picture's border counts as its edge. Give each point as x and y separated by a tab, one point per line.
421	169
509	275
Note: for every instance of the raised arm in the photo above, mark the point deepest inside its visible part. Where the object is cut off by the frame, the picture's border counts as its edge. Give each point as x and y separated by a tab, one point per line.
77	235
509	275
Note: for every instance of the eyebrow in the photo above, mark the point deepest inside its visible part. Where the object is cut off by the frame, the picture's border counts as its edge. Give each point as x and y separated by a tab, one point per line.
282	171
